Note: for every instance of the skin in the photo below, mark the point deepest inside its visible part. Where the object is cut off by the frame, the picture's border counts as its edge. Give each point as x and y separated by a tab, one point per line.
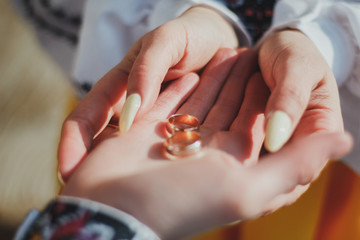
301	83
176	198
181	46
294	76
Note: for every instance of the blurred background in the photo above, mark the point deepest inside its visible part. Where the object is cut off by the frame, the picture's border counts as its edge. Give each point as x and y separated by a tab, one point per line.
35	97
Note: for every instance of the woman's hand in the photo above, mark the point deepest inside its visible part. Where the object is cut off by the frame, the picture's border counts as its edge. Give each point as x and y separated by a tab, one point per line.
180	46
171	51
304	97
221	184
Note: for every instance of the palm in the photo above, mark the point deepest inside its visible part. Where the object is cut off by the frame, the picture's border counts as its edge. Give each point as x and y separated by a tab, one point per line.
229	118
181	197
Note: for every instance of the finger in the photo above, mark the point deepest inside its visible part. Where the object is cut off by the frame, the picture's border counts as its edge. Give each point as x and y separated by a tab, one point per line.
285	107
88	119
285	199
147	63
300	162
251	117
212	80
104	134
173	96
323	113
169	100
291	79
228	102
254	103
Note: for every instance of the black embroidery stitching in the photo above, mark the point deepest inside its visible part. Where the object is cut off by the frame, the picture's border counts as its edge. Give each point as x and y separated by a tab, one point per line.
257	23
56	13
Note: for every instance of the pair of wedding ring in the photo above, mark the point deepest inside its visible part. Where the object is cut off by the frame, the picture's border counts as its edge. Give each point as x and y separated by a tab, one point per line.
184	136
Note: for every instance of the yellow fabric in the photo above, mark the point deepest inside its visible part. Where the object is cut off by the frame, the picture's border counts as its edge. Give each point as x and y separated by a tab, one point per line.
340	216
34	95
329	210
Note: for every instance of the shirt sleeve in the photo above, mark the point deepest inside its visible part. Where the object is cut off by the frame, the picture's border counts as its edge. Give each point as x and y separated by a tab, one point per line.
333	26
166	10
77	218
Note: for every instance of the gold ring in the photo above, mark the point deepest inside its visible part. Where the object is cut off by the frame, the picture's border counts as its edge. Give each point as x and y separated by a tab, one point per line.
183	143
182	122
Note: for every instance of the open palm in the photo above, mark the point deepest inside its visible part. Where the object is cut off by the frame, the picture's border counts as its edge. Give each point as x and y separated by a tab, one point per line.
177	198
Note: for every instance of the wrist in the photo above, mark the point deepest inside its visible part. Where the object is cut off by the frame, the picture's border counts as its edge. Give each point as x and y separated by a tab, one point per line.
117	196
215	26
69	217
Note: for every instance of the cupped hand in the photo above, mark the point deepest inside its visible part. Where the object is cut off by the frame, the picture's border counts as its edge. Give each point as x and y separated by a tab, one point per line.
180	46
304	96
169	52
221	184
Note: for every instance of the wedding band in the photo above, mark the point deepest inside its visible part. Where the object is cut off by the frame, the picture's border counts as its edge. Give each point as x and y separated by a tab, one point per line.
183	143
182	122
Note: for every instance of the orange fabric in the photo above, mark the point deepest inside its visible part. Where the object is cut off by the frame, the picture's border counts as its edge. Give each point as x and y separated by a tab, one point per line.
227	232
340	215
329	210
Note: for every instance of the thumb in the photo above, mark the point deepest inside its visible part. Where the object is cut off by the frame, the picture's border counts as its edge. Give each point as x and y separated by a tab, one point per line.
148	62
184	44
286	104
299	163
291	84
292	68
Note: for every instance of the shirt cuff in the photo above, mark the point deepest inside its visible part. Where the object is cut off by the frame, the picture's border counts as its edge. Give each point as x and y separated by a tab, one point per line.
82	217
166	10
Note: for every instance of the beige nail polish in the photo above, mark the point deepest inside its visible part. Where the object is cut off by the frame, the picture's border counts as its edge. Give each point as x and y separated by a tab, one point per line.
128	113
278	130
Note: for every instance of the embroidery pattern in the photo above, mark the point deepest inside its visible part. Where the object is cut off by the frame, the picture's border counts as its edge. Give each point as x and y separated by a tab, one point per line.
58	14
255	14
69	221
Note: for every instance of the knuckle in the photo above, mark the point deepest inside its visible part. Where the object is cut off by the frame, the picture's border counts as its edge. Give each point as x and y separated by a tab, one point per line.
227	105
305	171
294	97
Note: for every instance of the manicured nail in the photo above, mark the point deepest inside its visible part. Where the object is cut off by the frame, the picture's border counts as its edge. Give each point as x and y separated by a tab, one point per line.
60	178
278	130
129	111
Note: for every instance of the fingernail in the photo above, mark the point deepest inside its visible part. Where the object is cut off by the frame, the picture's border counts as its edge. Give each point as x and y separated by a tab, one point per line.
60	178
278	131
128	113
